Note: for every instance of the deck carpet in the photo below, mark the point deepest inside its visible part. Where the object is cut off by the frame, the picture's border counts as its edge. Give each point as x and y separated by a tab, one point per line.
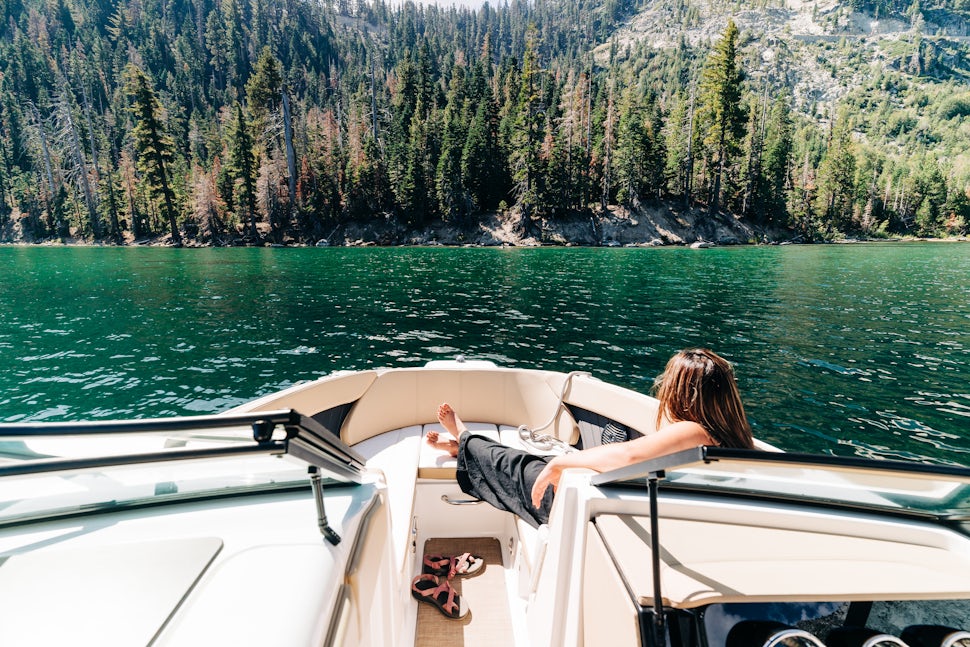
487	623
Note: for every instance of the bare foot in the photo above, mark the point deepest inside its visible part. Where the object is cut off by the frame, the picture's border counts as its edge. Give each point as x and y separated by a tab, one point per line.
449	445
450	420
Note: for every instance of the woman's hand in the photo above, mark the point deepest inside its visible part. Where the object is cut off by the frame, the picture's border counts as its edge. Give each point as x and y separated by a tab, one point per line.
549	475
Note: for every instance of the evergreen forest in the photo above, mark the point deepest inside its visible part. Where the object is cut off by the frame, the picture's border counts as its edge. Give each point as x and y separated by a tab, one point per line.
278	121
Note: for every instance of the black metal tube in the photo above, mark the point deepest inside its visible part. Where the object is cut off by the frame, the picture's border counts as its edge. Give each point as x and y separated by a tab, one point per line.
653	487
317	484
44	465
149	425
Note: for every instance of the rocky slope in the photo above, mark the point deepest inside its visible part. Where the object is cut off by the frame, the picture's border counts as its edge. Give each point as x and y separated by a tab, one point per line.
649	226
822	50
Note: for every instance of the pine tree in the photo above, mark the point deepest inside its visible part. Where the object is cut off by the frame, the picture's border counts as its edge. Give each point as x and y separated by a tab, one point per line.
111	200
243	166
403	103
777	157
527	130
640	154
67	134
720	113
610	123
481	159
567	166
869	172
676	135
264	87
836	177
6	172
369	187
957	213
234	43
932	187
750	171
417	185
453	201
153	146
207	208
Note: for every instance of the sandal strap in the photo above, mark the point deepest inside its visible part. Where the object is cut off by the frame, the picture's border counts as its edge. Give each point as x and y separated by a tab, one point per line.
428	592
445	586
460	564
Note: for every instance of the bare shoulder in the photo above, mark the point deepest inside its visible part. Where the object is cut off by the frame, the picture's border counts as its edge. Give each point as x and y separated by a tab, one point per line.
689	431
670	438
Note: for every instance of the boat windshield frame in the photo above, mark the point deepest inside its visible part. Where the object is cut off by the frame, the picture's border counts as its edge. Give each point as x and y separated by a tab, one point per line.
165	460
939	493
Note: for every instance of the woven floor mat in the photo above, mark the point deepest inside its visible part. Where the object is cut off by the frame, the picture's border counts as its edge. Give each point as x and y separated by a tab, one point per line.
487	623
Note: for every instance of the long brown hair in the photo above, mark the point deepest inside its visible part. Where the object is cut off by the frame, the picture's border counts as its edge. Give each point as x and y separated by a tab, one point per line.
698	385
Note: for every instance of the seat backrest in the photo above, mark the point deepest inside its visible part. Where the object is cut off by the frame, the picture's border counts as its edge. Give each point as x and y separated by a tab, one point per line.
404	397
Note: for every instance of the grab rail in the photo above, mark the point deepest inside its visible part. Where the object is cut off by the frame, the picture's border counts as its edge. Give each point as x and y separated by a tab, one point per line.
304	438
147	425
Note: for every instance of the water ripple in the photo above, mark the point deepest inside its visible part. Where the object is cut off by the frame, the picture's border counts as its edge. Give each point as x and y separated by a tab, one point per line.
857	350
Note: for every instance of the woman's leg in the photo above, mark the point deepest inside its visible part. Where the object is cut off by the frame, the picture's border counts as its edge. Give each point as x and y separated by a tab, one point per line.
491	471
453	425
502	476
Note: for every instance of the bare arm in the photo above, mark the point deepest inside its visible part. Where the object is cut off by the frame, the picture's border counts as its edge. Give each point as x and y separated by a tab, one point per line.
672	438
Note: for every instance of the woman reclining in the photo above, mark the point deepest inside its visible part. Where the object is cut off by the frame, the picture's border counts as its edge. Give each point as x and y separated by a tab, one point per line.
699	405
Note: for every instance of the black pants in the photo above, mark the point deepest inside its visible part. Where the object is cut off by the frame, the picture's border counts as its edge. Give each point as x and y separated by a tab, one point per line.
502	476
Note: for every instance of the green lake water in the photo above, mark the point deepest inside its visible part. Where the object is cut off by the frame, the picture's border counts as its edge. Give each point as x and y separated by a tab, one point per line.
845	349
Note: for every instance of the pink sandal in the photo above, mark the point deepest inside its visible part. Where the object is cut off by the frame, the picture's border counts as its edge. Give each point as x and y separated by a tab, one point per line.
438	592
464	565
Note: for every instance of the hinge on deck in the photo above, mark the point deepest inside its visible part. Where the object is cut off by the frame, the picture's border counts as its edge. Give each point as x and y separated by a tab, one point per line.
263	430
316	482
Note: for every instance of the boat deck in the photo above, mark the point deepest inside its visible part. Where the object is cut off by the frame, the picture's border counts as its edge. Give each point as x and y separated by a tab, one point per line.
488	621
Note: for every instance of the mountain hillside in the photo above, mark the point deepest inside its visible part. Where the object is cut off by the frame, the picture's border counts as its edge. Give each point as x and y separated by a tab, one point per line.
822	51
231	122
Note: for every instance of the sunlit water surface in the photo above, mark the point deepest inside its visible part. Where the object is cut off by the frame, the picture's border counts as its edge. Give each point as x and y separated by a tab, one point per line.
844	349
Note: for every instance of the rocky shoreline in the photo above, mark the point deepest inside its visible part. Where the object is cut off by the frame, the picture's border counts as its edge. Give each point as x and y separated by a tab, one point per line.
655	226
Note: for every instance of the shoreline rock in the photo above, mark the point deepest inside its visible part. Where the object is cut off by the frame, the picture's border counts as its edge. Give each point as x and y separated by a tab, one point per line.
649	226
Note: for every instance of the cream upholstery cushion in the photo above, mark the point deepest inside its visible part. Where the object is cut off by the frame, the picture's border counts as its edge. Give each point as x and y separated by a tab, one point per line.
395	455
406	397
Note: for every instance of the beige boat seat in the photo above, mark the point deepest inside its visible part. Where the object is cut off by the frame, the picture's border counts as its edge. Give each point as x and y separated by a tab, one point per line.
395	455
402	398
435	463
